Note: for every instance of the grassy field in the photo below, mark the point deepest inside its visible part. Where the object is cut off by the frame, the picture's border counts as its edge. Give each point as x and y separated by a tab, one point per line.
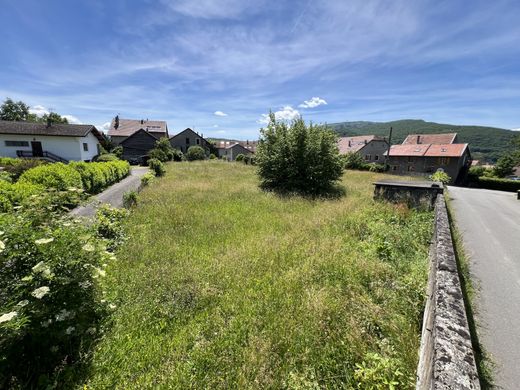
221	285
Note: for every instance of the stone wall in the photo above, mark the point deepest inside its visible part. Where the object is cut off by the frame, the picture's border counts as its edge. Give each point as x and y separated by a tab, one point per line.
417	195
446	358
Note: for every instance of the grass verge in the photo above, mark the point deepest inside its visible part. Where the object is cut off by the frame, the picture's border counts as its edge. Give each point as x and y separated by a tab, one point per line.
221	285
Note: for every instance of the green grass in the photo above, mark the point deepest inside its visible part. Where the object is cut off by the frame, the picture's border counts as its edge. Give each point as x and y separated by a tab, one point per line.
221	285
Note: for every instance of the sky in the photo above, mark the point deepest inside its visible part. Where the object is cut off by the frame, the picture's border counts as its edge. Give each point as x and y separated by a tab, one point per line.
221	66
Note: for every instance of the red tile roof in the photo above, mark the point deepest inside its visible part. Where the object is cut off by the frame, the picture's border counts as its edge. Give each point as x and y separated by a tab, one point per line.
429	150
354	144
130	126
414	139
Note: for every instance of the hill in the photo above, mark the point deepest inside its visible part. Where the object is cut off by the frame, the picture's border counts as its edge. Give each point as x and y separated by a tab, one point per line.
486	143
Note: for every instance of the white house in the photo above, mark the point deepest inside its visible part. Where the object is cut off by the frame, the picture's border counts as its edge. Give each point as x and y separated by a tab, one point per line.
57	142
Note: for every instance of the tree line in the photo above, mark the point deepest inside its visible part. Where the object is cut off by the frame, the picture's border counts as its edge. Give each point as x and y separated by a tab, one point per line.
19	111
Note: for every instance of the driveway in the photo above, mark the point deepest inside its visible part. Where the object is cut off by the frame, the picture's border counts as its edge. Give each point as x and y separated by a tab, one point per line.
113	195
490	225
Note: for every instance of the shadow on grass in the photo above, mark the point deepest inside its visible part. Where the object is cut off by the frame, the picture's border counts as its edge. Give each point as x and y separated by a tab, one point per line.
334	192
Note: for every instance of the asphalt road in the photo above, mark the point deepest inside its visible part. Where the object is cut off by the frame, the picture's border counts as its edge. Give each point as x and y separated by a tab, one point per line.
113	195
490	225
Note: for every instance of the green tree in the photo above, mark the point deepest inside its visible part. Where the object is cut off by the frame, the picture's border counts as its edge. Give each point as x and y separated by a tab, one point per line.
298	158
14	111
505	165
195	153
54	117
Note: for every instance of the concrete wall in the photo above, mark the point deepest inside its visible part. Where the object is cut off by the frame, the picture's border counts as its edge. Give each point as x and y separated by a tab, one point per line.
446	358
417	195
70	148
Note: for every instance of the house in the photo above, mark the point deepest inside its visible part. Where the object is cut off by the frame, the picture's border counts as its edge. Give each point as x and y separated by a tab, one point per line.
187	138
439	139
136	146
120	129
249	145
232	150
372	148
50	141
454	159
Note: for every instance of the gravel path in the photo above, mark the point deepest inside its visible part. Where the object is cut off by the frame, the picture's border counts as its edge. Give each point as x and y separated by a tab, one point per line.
112	195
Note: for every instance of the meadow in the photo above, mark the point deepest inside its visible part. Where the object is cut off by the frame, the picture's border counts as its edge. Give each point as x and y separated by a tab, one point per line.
222	285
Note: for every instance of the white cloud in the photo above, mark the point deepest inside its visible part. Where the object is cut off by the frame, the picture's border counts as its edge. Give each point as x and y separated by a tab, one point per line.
314	102
104	127
286	113
220	113
215	125
72	119
516	129
38	110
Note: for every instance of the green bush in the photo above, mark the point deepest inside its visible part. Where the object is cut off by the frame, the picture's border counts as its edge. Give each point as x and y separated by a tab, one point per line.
118	151
163	150
96	176
374	167
195	153
50	303
16	166
443	177
157	167
249	160
130	199
354	160
298	158
494	183
240	157
109	225
6	176
147	178
14	194
107	157
58	176
212	156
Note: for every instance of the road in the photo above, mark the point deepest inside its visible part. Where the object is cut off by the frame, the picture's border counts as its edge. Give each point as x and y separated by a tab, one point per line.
113	195
490	225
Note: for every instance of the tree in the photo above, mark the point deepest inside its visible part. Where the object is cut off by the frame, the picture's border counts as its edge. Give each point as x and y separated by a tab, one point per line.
505	165
54	117
195	153
298	158
14	111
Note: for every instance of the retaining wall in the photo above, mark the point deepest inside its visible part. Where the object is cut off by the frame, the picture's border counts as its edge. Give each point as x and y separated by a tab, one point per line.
446	358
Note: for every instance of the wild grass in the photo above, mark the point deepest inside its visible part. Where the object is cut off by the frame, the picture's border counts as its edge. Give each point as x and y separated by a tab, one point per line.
221	285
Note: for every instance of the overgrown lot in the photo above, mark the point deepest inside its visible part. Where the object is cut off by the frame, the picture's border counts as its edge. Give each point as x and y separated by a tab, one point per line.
221	285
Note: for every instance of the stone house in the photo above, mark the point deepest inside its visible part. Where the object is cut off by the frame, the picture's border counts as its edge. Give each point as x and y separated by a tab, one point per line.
49	141
231	151
120	129
371	147
187	138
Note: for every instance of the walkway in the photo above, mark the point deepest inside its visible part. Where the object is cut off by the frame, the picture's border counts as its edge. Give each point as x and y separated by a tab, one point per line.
113	195
490	225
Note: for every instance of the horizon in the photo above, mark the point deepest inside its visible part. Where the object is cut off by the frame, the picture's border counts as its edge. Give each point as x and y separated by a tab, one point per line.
220	68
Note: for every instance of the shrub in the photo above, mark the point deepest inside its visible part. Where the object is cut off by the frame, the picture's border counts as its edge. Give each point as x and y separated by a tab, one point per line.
505	166
443	177
147	179
107	157
212	156
374	167
58	176
96	176
130	199
195	153
240	157
50	302
15	194
109	225
163	150
17	166
494	183
157	167
118	151
249	160
6	176
354	160
298	158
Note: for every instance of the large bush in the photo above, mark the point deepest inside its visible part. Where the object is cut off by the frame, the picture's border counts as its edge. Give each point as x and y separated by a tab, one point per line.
157	167
15	194
298	158
163	150
494	183
195	153
354	160
97	176
16	166
58	176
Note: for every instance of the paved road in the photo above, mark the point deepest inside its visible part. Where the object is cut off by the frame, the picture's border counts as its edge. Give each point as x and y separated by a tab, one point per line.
490	225
112	195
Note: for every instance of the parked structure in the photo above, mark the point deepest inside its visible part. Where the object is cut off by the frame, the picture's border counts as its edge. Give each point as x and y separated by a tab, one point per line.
371	147
454	159
232	150
187	138
137	146
50	141
120	129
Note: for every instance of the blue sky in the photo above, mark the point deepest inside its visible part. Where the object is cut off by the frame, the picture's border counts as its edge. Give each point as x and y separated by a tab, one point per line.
219	66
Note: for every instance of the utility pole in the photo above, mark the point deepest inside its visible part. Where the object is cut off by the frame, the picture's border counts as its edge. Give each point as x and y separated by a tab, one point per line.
389	146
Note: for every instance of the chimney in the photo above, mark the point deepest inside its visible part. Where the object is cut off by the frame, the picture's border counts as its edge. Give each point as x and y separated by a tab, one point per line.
142	121
49	121
116	122
366	142
418	139
349	143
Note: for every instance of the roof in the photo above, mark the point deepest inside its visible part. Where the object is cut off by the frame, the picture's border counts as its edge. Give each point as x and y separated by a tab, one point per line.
355	144
56	129
414	139
428	150
192	131
249	145
140	131
128	127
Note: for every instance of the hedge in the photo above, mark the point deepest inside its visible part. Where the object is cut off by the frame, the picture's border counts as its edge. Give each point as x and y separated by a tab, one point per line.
15	194
96	176
493	183
58	176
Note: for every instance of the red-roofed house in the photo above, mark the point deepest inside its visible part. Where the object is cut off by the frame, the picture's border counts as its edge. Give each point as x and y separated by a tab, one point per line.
120	129
371	147
440	139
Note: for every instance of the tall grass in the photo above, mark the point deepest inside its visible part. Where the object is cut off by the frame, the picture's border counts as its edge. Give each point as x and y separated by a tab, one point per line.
221	285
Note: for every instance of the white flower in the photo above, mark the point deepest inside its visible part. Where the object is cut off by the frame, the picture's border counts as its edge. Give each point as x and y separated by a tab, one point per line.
112	306
23	303
99	272
46	323
85	284
2	246
1	232
69	330
8	316
89	248
63	315
43	241
40	292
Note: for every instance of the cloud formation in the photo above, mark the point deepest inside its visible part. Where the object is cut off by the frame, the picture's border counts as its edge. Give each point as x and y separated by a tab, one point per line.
286	113
220	113
313	102
38	110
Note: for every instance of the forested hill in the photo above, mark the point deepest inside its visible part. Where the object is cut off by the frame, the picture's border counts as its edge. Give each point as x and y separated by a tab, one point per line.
486	143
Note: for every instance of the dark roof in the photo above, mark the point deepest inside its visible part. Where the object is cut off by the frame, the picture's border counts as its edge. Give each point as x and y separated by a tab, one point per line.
190	130
62	130
414	139
128	127
140	131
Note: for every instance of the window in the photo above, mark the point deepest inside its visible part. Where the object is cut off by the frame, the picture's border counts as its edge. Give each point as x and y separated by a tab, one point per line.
85	147
198	141
368	157
394	167
187	140
17	143
410	159
444	160
411	168
376	157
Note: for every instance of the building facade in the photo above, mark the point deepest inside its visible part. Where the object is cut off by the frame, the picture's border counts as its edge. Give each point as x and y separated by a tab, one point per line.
137	146
230	152
187	138
372	148
120	129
